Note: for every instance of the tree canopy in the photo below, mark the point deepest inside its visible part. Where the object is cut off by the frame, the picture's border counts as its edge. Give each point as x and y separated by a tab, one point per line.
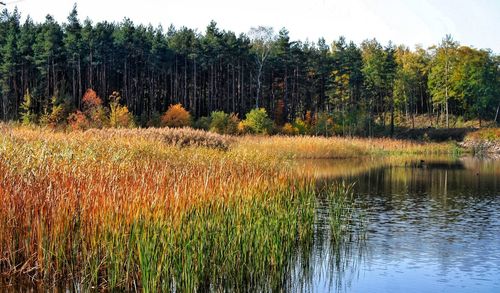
356	86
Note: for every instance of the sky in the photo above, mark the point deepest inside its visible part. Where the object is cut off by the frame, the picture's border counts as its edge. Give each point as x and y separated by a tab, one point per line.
474	23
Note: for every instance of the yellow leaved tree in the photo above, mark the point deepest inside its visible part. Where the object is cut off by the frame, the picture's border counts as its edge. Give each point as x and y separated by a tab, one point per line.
119	116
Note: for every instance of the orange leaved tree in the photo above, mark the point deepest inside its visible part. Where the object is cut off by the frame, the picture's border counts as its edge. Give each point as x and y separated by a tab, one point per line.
93	109
176	116
93	114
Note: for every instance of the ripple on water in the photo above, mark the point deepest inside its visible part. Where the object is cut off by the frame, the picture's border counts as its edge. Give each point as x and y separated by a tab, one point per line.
430	230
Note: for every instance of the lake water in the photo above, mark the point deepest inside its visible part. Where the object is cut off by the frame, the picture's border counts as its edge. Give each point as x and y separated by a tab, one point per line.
432	225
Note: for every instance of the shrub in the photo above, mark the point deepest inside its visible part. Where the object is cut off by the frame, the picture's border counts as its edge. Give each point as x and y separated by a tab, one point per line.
202	123
27	114
232	125
324	125
119	116
98	117
55	115
224	123
154	120
218	121
309	119
91	100
301	126
257	121
288	129
94	110
78	121
242	129
176	116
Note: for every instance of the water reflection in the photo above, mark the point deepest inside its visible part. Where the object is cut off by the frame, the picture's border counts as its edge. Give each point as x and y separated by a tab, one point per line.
326	265
434	225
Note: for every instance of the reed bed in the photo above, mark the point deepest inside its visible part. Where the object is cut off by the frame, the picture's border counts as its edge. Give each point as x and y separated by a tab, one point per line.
308	147
115	211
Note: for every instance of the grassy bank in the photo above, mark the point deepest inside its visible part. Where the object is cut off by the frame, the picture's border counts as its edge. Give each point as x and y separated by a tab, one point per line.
483	142
308	147
159	209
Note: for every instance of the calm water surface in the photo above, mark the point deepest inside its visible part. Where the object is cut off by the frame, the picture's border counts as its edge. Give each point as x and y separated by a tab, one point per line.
432	226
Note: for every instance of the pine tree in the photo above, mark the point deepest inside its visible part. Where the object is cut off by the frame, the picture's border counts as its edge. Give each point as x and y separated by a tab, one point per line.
440	76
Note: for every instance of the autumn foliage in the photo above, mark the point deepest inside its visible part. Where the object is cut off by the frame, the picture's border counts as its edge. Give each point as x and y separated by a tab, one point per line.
93	114
119	116
91	100
78	121
288	129
176	116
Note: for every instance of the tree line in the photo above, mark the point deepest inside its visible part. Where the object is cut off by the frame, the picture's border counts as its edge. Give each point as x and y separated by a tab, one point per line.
361	88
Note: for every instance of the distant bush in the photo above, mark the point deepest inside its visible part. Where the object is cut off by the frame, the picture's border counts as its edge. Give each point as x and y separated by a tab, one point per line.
91	100
301	126
323	125
93	114
176	116
54	113
154	120
119	116
78	121
218	121
224	123
309	119
27	114
242	129
184	137
232	125
94	110
288	129
202	123
257	121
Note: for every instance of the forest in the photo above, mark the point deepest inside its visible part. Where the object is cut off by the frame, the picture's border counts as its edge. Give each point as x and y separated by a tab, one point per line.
359	89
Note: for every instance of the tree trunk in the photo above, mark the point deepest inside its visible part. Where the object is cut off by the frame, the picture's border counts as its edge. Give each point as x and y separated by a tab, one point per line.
195	104
496	115
73	78
79	77
447	119
184	102
259	74
392	120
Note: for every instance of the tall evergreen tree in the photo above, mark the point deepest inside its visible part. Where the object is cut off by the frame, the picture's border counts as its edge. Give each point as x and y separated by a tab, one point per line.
216	70
440	76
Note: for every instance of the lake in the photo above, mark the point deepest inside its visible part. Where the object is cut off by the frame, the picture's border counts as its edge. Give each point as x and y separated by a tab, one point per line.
431	225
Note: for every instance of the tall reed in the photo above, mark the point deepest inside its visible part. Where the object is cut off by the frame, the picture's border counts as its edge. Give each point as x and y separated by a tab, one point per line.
128	212
162	209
